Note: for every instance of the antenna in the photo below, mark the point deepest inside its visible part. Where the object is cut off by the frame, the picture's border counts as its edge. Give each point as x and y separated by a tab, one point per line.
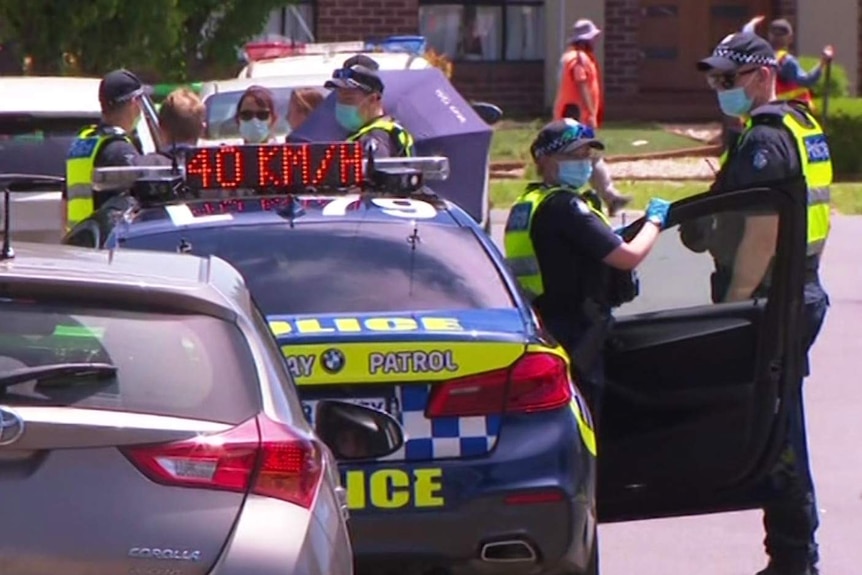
175	167
6	253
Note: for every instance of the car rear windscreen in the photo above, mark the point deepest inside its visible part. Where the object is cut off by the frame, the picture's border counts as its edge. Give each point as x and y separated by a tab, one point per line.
188	366
221	112
32	144
350	267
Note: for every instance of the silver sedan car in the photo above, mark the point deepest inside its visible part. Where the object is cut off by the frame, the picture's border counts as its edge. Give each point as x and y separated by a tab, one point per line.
148	425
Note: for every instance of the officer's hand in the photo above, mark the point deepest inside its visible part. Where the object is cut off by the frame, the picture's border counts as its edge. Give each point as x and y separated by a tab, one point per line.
656	211
828	53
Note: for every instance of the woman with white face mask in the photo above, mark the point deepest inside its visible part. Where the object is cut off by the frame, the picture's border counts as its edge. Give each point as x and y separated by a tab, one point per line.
255	115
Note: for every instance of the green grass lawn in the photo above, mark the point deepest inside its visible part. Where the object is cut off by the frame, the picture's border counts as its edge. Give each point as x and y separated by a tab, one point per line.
511	141
846	197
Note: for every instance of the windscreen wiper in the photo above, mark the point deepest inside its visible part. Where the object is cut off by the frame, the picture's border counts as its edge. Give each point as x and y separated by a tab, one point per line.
59	374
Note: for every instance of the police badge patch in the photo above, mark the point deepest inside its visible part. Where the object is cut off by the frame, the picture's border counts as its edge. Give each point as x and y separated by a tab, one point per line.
760	159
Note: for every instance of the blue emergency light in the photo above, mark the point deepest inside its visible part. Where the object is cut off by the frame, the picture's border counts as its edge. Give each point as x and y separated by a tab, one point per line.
417	45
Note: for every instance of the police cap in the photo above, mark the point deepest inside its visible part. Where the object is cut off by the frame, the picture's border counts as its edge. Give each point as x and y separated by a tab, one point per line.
561	136
738	50
118	87
354	74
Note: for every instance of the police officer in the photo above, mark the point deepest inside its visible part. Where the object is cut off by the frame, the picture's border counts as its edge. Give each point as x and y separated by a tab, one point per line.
359	109
106	144
742	70
565	255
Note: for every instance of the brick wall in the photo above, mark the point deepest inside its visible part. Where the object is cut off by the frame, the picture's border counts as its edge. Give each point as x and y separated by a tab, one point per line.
621	47
517	87
340	21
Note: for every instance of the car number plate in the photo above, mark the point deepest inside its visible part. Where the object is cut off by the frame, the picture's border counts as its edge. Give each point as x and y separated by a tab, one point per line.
378	403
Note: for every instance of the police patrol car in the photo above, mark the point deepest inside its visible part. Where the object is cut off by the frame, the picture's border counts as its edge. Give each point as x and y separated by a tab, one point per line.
380	293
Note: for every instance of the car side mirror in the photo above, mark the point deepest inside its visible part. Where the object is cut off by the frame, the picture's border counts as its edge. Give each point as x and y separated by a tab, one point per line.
355	432
490	113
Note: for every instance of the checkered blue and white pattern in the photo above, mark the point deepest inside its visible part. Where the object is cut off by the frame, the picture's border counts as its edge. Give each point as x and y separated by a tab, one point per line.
743	58
444	436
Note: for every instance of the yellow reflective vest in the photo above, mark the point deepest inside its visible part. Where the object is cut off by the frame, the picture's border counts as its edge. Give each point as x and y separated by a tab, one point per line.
80	162
520	253
816	164
398	133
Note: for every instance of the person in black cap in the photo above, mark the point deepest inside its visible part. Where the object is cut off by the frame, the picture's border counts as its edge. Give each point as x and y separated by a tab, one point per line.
564	254
781	141
359	109
108	143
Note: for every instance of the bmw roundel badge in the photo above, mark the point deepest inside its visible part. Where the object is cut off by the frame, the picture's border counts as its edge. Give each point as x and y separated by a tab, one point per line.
332	360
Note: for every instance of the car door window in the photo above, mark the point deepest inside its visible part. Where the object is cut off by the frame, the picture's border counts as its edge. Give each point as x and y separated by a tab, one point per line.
697	364
704	262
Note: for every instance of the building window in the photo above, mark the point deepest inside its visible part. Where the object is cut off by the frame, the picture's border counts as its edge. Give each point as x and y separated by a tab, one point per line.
485	29
294	22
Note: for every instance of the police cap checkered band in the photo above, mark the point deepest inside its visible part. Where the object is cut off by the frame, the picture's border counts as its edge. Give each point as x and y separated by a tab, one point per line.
563	136
742	59
356	76
738	50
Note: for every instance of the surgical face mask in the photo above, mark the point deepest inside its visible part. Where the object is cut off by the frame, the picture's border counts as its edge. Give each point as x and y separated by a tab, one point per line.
348	117
734	102
574	173
254	131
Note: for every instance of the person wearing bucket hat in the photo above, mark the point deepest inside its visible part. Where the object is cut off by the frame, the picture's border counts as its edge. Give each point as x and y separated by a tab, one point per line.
781	141
579	97
109	143
565	255
359	109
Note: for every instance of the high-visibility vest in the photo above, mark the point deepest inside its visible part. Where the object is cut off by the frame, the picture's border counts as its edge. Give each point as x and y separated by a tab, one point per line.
785	90
520	253
816	163
80	162
398	133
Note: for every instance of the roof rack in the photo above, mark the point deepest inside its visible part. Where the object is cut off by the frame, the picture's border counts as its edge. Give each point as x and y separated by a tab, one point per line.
322	169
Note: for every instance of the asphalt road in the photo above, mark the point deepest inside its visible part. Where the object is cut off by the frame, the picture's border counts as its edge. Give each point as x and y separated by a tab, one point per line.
731	543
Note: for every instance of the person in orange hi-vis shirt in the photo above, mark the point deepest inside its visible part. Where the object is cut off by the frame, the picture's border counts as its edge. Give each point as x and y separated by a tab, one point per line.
579	96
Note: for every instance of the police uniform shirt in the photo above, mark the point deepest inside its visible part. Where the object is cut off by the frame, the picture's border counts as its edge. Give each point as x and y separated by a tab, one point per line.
116	152
379	142
570	242
765	153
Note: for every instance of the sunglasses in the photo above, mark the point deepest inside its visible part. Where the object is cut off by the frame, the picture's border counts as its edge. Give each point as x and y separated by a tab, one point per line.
726	81
247	115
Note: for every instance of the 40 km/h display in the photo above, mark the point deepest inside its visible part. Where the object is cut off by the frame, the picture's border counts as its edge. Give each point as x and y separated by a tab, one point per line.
338	164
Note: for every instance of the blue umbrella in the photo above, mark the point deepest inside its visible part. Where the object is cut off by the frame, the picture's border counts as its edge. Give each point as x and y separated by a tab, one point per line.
442	122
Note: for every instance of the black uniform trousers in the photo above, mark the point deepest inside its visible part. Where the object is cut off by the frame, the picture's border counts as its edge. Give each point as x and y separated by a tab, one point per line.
790	516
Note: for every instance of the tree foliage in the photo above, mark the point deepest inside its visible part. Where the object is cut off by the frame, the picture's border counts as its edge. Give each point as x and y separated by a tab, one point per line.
167	38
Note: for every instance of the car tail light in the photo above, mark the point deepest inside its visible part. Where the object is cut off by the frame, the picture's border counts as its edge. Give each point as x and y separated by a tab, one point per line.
536	382
258	456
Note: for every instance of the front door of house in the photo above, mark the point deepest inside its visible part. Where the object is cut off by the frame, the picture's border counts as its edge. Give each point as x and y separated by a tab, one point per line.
675	34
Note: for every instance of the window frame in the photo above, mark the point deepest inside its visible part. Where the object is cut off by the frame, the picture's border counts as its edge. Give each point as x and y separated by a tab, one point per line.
502	5
284	15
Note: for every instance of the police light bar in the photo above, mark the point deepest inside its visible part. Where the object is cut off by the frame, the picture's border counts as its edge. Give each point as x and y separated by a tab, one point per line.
281	167
121	178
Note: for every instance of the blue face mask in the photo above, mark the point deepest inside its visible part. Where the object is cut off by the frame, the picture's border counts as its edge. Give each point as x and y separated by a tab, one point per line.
734	102
254	131
575	173
348	117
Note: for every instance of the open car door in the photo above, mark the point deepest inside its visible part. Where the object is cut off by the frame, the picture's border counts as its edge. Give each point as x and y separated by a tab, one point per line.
692	416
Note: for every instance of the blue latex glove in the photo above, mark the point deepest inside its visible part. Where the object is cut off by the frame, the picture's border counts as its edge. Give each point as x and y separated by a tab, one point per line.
656	211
